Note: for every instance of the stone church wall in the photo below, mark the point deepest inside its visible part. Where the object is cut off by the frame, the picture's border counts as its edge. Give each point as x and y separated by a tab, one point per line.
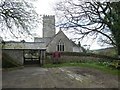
68	46
48	26
77	49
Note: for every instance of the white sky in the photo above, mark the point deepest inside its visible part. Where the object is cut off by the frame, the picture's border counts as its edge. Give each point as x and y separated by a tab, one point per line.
45	7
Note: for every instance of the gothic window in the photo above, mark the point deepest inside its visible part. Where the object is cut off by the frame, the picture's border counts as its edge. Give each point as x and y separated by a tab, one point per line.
60	46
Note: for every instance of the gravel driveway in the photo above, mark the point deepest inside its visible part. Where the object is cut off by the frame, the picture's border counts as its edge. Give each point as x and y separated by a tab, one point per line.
63	77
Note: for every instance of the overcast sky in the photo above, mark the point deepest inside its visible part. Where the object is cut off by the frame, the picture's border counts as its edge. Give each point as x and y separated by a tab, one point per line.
45	7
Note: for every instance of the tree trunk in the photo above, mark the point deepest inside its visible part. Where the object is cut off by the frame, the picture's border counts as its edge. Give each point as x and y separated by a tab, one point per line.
116	34
118	44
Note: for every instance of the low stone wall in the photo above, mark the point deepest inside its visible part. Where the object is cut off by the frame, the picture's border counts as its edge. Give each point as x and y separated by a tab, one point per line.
0	58
17	55
67	58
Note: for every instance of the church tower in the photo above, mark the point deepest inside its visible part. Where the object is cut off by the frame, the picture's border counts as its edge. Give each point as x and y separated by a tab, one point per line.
48	26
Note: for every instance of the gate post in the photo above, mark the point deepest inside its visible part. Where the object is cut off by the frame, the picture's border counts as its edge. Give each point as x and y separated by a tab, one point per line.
23	56
42	57
39	57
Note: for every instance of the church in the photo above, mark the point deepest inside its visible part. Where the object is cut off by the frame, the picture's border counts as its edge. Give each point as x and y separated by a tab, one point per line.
50	41
34	52
55	42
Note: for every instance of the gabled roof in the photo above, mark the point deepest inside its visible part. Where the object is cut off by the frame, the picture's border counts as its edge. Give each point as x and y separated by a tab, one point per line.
60	31
54	37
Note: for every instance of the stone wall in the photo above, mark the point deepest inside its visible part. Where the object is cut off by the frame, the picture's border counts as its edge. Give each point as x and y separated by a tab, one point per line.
60	36
65	58
0	58
15	54
15	49
77	49
79	59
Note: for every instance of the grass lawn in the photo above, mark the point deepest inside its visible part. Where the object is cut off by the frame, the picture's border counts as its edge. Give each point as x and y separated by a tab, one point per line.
98	66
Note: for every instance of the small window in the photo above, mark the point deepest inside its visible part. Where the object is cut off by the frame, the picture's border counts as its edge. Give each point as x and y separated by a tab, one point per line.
60	46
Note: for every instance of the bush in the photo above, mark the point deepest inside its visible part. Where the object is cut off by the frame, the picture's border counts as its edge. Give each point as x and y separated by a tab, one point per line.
115	64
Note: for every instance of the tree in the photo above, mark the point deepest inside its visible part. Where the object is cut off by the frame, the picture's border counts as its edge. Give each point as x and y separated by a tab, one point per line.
17	17
92	19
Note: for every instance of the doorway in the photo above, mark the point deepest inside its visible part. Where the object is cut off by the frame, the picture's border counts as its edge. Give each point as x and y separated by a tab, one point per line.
33	56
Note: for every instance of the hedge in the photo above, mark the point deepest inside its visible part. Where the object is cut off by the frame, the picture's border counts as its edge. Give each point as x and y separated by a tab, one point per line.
86	54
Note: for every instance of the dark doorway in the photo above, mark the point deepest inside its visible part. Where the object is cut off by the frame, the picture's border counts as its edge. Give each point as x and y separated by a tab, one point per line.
34	57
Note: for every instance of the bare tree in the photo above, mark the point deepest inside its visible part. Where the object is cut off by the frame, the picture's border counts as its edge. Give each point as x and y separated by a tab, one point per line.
17	17
92	19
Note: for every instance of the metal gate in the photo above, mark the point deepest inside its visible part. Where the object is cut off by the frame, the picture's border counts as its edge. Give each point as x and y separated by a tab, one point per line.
34	57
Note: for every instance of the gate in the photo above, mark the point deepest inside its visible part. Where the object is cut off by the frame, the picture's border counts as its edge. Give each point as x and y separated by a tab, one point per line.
33	57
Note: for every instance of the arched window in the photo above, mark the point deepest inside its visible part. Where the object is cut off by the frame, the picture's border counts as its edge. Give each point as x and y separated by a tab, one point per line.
60	46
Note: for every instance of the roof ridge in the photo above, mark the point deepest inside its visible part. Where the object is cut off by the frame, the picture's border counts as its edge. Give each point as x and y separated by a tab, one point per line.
54	37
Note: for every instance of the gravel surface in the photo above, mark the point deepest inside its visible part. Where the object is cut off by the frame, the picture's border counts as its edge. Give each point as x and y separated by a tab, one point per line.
63	77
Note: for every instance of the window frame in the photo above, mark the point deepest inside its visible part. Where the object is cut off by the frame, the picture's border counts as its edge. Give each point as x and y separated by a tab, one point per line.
60	46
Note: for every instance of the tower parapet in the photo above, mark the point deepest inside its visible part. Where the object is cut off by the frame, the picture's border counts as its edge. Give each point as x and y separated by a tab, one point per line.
48	26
